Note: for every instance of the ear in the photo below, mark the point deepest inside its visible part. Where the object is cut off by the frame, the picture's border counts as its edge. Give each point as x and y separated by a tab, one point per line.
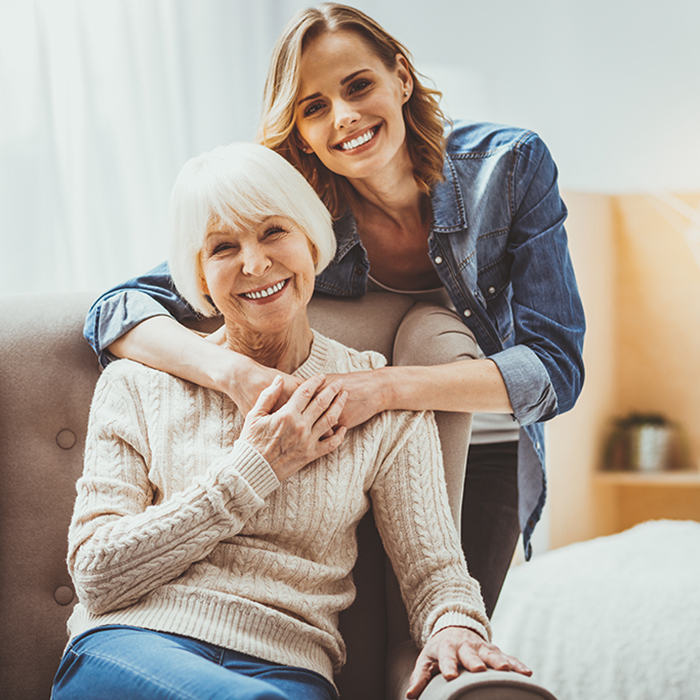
403	73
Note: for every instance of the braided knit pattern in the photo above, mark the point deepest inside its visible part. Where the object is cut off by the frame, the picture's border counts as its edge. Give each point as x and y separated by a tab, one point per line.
180	527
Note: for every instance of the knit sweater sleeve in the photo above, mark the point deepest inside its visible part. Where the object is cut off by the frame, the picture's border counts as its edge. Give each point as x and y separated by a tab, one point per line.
409	499
123	543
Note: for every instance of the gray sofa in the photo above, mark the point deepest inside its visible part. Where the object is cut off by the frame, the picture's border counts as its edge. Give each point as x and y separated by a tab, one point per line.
47	376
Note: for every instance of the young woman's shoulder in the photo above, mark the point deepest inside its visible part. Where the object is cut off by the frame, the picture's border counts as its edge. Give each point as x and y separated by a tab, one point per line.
480	139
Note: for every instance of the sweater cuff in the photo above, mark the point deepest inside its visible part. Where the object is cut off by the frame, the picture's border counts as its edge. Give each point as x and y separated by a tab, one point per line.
252	467
458	619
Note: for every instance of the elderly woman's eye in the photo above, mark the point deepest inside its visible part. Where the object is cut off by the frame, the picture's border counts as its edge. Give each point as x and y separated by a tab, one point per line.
221	247
274	231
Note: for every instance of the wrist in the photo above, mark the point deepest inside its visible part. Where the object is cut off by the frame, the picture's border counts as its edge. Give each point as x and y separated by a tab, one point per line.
228	373
387	389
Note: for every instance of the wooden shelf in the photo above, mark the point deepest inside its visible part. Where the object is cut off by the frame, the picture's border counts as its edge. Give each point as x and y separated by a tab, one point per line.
670	478
637	496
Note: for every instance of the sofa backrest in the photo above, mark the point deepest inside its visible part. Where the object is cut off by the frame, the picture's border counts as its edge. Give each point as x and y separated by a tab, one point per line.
47	377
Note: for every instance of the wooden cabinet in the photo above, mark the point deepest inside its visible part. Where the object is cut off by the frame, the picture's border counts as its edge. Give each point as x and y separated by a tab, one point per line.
635	497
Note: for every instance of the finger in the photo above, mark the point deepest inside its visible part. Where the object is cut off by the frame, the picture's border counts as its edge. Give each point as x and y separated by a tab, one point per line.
448	662
327	445
289	386
423	671
496	659
318	406
470	659
268	397
493	657
328	420
517	665
305	393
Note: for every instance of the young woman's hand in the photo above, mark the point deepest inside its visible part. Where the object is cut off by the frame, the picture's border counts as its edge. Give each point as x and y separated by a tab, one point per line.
453	648
302	430
243	379
367	396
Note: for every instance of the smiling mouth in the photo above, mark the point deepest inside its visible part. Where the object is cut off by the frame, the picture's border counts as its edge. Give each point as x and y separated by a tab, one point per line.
352	144
262	293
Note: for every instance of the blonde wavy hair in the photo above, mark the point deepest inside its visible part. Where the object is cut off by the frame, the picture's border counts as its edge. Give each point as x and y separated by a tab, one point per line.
425	122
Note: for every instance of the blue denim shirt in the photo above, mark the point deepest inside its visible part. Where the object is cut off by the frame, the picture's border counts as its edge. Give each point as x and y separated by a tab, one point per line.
498	243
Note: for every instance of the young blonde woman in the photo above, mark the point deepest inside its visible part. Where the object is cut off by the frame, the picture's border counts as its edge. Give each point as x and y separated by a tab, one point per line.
465	218
212	552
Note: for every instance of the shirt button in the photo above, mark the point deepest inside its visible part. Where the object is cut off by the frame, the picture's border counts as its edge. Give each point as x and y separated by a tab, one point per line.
467	312
438	260
492	290
359	271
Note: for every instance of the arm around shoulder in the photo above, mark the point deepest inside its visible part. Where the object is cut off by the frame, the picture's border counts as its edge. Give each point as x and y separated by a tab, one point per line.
547	310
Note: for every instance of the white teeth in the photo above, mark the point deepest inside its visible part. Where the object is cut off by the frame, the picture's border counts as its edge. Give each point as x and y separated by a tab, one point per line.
354	143
264	292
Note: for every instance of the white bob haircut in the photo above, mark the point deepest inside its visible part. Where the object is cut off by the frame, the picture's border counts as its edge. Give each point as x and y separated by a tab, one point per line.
237	185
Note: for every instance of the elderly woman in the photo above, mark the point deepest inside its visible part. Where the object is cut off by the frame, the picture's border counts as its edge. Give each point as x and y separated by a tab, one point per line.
211	553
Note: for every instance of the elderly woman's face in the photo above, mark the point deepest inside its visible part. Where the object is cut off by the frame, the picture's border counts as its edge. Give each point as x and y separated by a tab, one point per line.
349	108
261	276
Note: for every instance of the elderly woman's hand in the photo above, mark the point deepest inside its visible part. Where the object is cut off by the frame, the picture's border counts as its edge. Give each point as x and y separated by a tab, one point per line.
455	647
302	430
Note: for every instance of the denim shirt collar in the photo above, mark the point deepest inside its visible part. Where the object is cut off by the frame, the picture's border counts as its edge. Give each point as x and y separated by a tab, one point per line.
346	235
449	212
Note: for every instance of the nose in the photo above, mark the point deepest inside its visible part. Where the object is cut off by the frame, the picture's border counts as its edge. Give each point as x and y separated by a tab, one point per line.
344	114
254	260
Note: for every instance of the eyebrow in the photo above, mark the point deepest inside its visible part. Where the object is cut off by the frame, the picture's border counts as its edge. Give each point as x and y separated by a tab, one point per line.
344	81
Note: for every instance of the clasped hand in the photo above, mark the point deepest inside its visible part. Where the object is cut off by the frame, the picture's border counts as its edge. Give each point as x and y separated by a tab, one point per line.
299	431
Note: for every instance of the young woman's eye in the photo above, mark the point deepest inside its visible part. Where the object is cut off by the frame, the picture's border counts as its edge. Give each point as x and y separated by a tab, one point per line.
311	109
359	85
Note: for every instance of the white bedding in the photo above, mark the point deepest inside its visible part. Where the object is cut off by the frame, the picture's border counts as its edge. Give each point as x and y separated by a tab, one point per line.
613	618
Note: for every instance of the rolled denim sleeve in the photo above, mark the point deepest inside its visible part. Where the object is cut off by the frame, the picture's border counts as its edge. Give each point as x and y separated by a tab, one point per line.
529	387
125	306
543	370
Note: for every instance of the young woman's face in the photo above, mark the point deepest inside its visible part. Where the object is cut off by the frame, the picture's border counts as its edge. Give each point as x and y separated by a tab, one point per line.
260	277
349	107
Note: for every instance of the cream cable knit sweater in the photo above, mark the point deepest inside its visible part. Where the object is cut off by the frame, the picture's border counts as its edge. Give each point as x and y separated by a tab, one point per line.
179	527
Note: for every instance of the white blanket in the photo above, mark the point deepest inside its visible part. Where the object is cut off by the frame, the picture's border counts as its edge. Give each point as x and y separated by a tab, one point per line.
615	618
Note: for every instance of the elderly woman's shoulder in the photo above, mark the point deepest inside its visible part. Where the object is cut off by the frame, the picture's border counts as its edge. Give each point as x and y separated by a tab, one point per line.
337	357
134	376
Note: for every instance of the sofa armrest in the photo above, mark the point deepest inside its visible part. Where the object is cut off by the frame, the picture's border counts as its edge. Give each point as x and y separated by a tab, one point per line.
488	685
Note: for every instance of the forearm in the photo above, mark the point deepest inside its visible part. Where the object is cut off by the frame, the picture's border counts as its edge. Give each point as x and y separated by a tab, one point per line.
467	386
163	343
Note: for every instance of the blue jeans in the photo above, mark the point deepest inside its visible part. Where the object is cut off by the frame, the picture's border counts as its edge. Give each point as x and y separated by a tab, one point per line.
118	662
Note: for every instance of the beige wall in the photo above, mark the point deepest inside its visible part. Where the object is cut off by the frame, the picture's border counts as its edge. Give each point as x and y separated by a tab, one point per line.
640	287
659	306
